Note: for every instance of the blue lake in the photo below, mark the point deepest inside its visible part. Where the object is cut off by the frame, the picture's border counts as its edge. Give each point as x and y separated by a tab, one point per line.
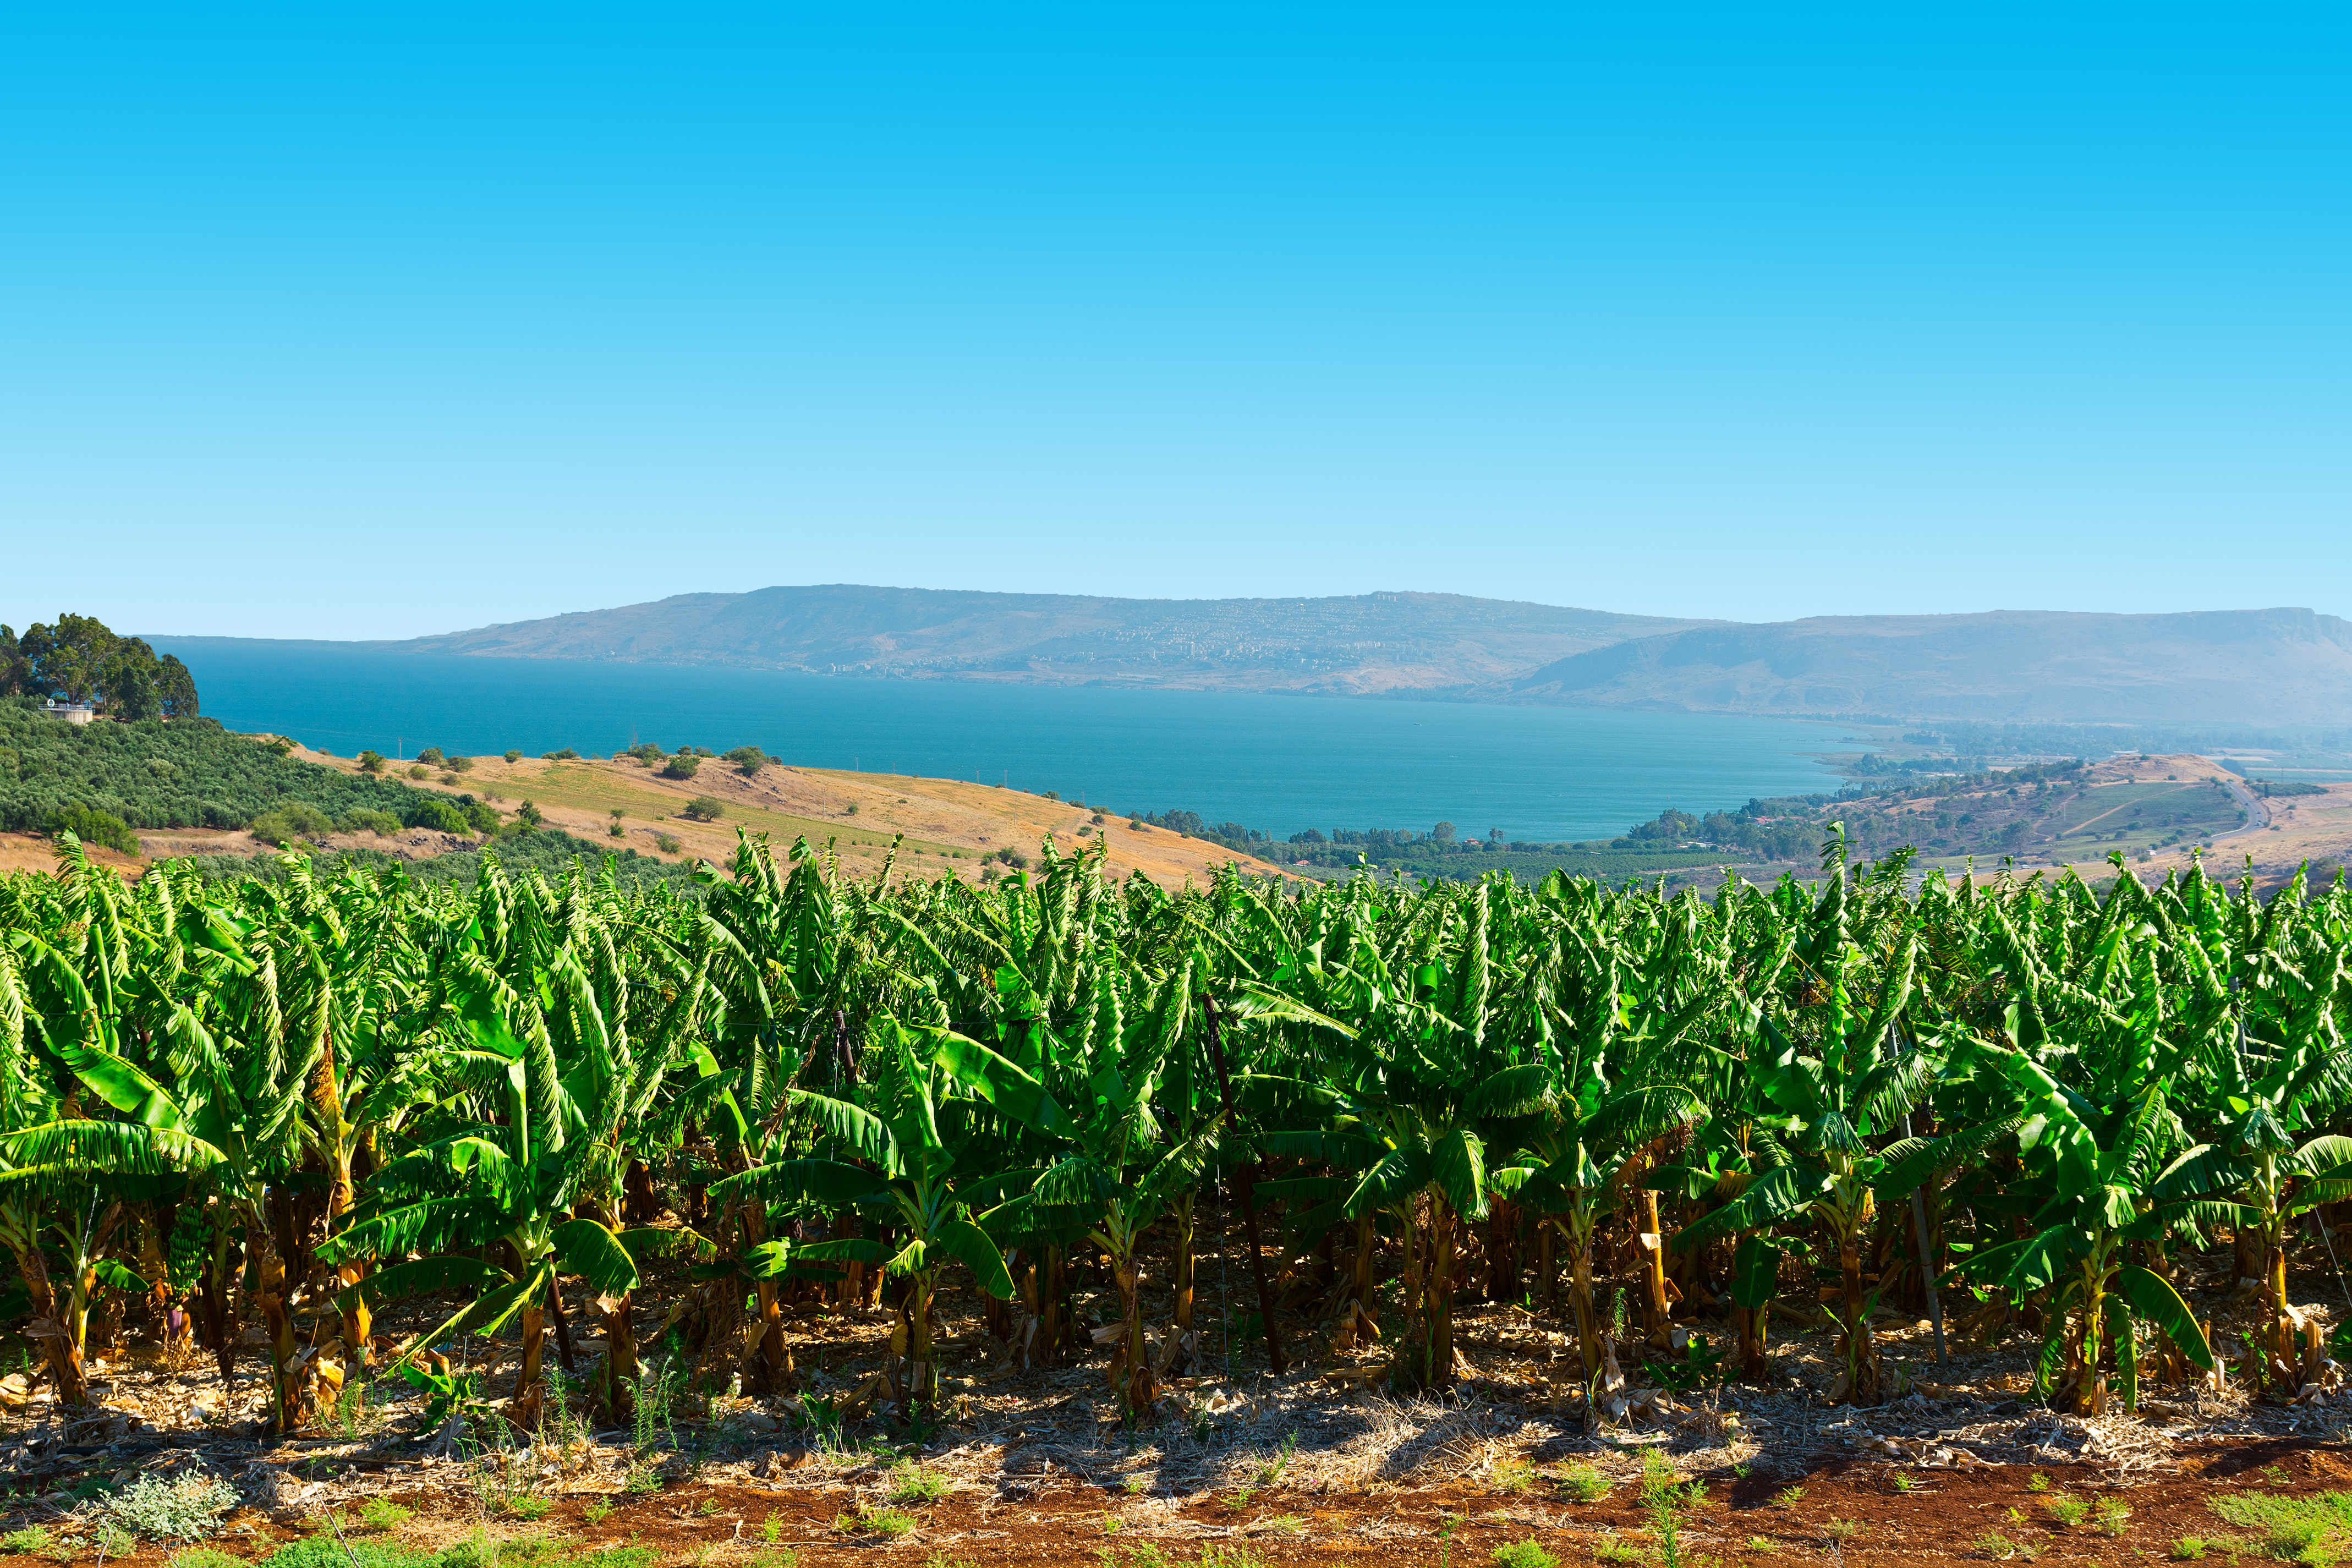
1282	764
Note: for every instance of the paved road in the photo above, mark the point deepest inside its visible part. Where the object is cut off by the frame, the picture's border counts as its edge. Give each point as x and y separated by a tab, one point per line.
2258	813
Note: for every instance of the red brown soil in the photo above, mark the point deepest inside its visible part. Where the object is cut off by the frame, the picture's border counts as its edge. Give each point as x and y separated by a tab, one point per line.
1848	1509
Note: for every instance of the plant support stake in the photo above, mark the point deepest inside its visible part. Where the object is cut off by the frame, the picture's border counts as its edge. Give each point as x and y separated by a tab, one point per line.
1241	1188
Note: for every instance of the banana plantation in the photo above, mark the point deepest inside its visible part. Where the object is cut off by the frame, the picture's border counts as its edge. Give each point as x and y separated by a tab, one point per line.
343	1126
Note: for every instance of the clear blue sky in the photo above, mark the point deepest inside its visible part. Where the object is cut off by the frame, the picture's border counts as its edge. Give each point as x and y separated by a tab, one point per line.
353	321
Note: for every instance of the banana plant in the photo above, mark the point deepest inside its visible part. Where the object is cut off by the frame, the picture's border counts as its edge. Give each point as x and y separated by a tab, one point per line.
895	1145
1833	1078
2096	1154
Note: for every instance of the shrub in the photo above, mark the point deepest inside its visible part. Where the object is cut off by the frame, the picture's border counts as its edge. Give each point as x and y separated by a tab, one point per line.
748	761
440	815
681	767
512	756
667	843
460	764
419	772
371	762
562	754
431	756
1584	1483
93	828
293	821
702	808
481	814
1524	1554
912	1483
183	1508
383	1513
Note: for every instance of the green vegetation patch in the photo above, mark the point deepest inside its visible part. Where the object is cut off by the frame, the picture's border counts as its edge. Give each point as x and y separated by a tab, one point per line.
187	773
2314	1529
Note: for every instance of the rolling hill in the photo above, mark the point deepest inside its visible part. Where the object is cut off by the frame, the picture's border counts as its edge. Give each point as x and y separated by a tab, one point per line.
1356	646
2251	667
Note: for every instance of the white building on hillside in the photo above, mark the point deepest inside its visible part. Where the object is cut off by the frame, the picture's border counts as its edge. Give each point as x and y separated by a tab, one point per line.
71	712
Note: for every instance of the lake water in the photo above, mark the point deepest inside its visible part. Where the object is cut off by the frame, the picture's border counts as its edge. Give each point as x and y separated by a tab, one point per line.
1282	764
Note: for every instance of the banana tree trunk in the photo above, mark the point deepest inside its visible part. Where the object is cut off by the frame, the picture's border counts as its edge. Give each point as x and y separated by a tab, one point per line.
922	1359
1503	1269
1547	1265
226	1261
60	1349
1587	1315
1183	1217
1130	1370
1657	1314
1861	1362
621	1370
530	1385
1441	1349
279	1323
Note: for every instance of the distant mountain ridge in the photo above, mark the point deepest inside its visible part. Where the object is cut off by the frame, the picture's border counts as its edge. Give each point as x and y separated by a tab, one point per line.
1359	645
2251	667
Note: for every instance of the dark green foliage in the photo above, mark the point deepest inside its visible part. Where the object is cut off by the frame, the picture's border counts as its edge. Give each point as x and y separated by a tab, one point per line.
703	808
291	822
2271	787
371	762
188	773
83	661
748	761
366	821
561	754
431	757
681	767
552	851
92	827
441	815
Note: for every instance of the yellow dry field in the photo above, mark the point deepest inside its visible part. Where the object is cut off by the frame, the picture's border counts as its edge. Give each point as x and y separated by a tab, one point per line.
950	825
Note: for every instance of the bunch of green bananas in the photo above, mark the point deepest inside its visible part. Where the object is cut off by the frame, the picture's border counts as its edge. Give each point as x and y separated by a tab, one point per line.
191	1248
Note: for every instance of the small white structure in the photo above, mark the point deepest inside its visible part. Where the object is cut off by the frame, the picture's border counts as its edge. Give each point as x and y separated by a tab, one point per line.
71	712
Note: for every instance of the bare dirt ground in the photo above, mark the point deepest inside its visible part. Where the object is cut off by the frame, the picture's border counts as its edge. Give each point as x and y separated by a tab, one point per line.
950	824
1236	1467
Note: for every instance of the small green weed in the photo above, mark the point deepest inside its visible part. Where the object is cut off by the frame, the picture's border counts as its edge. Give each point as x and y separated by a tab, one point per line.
529	1507
2066	1509
2037	1482
914	1484
1524	1554
2190	1549
631	1556
2276	1474
1902	1481
1763	1545
2109	1513
710	1506
644	1482
1842	1529
1509	1476
1608	1549
1286	1524
204	1557
772	1532
1584	1483
1788	1496
383	1513
785	1557
595	1510
1996	1545
32	1539
888	1522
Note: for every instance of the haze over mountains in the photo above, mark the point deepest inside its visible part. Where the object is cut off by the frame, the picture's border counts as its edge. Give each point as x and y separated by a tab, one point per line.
2254	667
1357	646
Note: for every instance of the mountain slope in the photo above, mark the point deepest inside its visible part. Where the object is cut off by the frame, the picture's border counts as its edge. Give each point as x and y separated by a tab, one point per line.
1359	644
2256	666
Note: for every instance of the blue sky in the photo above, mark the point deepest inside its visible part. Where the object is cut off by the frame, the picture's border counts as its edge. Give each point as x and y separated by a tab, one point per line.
379	321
